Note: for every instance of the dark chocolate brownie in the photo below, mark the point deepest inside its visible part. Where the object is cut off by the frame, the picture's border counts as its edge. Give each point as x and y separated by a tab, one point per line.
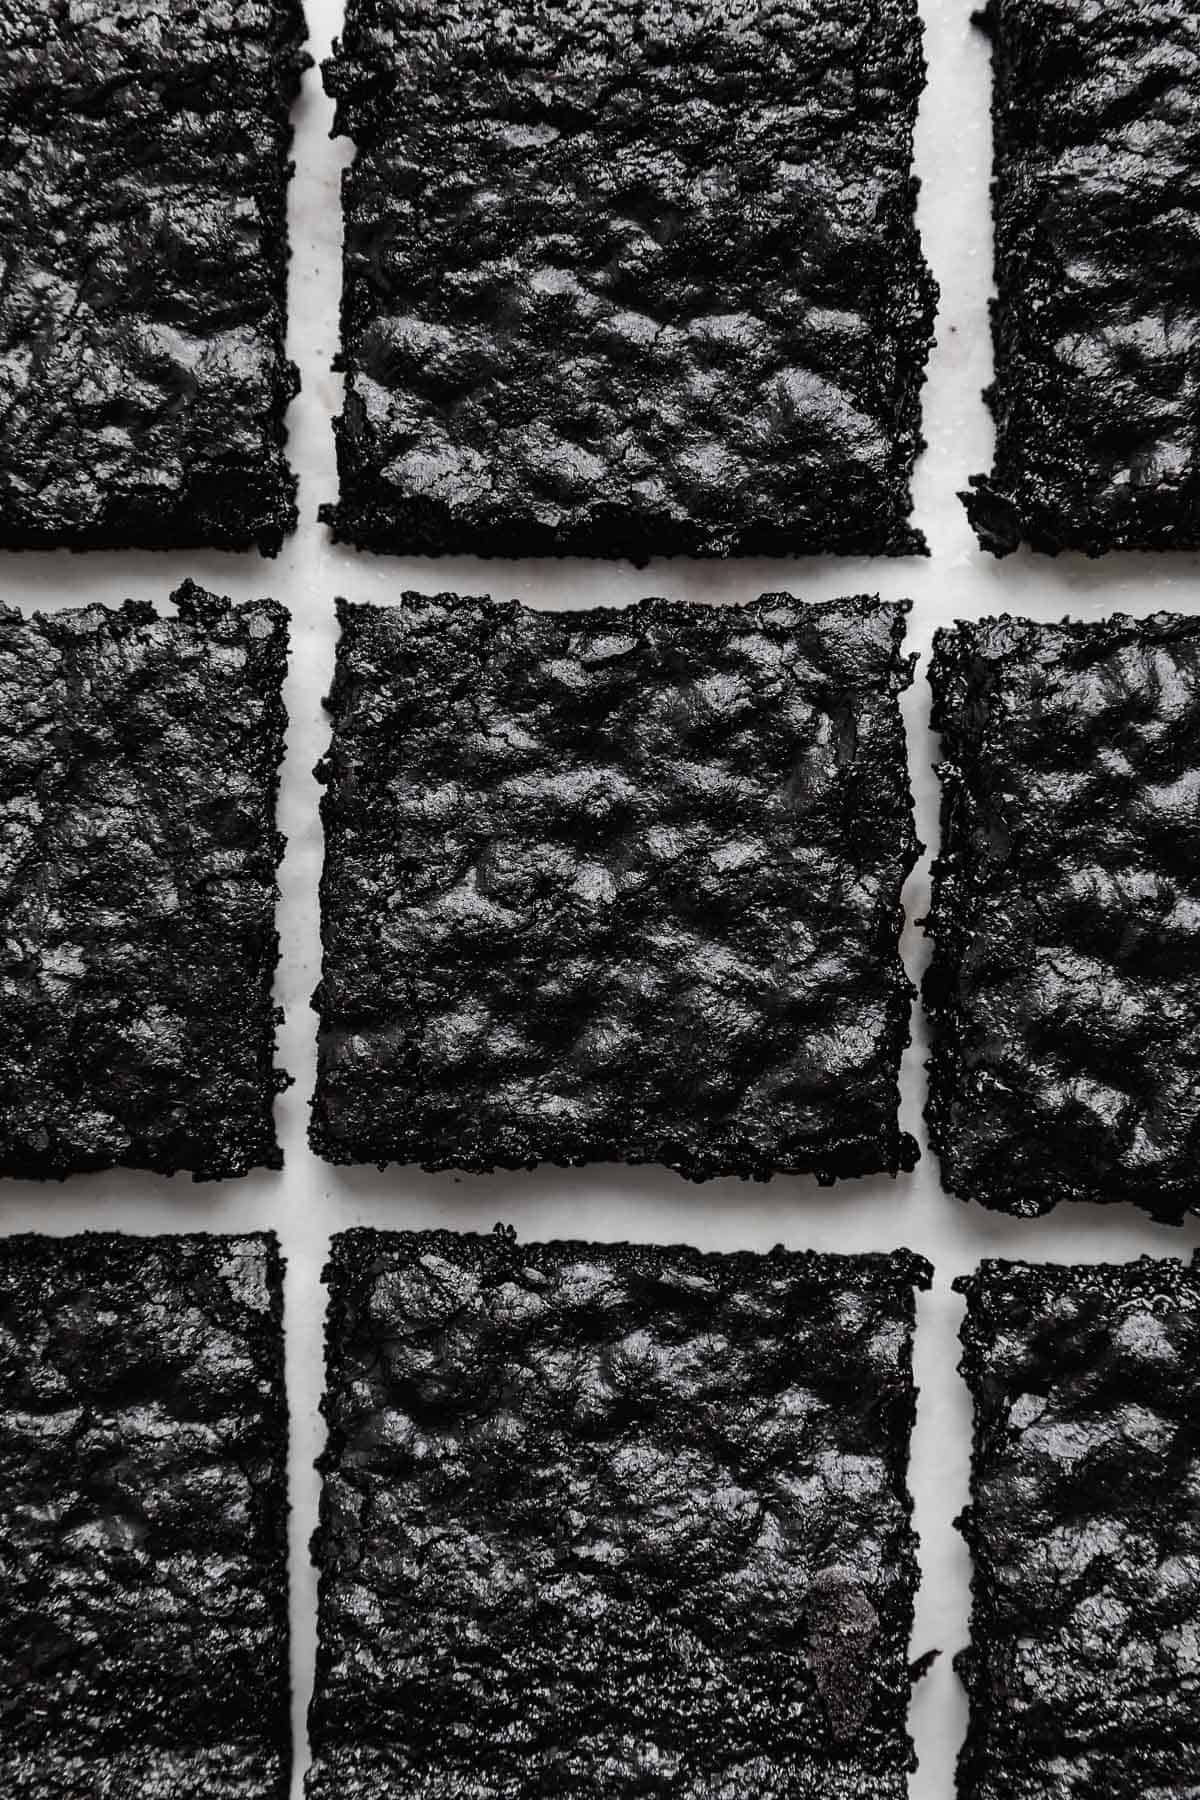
143	185
606	1520
616	885
143	1514
1084	1670
626	278
139	762
1096	114
1065	983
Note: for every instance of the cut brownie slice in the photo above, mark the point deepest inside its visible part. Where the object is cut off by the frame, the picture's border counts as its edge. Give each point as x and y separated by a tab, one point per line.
1096	114
1085	1533
143	379
625	279
143	1515
613	1520
616	885
139	762
1065	983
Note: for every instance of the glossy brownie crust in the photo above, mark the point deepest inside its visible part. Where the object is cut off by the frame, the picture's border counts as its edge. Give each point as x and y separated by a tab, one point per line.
625	278
1064	989
1084	1531
139	759
1096	112
613	1520
616	885
143	380
143	1511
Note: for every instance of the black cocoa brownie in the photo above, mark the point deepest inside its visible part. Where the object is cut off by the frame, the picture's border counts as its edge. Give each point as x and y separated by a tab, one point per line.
625	278
613	1520
143	1519
1085	1533
1096	114
616	885
1064	989
143	186
139	759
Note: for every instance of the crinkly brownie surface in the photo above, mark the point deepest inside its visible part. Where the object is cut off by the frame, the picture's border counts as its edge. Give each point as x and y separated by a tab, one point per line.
625	278
1085	1534
143	378
609	1520
1065	983
616	885
139	759
1096	115
143	1509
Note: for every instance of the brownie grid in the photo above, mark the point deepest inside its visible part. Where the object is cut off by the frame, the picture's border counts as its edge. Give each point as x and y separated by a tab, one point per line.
1111	1346
630	279
616	885
613	1520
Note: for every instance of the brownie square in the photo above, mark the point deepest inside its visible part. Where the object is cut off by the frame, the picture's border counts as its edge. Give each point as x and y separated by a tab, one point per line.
143	187
616	885
1064	989
143	1519
630	279
609	1520
1096	124
1085	1534
139	759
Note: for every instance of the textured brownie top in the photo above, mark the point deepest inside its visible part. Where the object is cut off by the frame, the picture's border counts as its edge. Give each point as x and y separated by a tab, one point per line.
1085	1533
627	278
1096	115
1065	982
607	1520
138	769
616	884
143	380
143	1505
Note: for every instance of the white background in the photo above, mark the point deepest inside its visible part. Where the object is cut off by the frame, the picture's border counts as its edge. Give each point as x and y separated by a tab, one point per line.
308	1200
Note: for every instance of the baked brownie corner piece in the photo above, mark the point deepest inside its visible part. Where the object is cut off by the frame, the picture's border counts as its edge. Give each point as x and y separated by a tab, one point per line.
139	758
613	1519
143	1519
1096	111
616	885
143	207
1064	989
630	280
1083	1530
